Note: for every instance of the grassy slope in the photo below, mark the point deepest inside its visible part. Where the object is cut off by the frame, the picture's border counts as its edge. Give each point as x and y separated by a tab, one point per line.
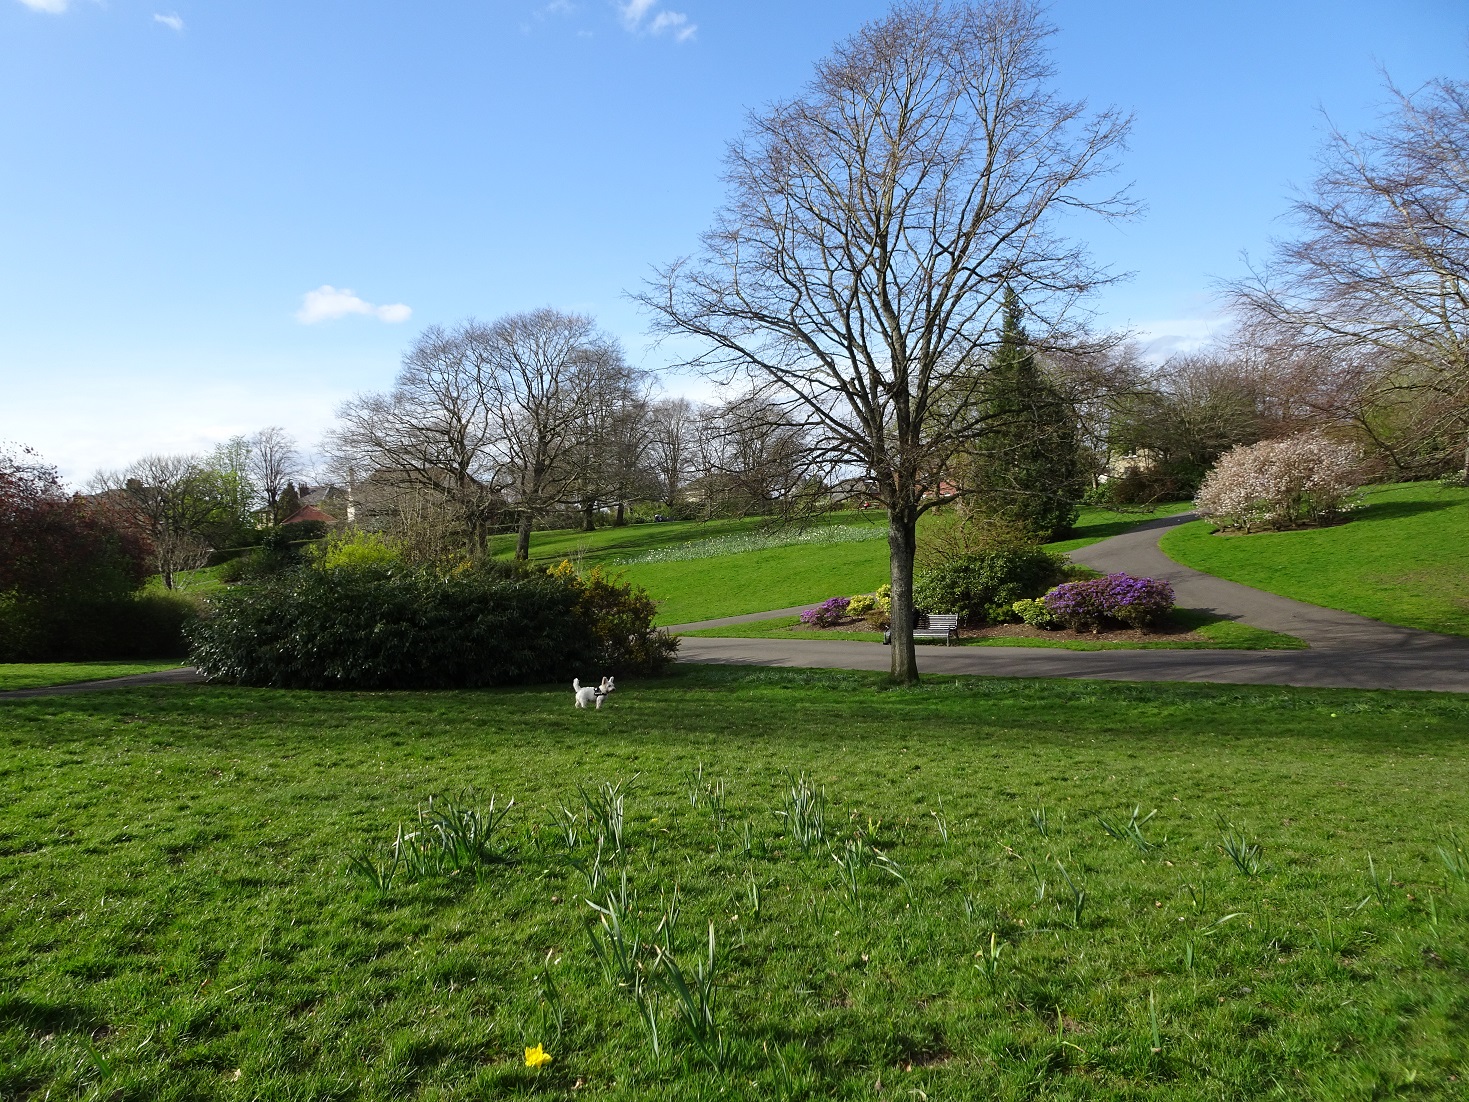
33	675
1221	634
1403	559
178	921
756	581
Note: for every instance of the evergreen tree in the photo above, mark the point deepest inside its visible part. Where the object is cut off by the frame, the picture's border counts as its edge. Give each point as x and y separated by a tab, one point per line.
1027	468
289	503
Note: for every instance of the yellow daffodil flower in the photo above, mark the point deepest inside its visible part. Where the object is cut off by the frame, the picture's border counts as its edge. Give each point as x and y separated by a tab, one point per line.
537	1057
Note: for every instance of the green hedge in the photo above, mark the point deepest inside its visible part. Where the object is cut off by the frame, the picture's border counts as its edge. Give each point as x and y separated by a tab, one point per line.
384	627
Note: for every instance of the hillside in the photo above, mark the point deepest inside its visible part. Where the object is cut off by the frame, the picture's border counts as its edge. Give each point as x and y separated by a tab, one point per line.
1403	558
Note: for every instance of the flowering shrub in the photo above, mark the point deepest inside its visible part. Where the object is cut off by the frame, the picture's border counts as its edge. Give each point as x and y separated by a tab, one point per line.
826	614
1303	479
1087	606
861	604
1035	613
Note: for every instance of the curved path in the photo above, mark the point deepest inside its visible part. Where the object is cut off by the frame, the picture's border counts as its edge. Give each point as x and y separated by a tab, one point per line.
1347	651
184	675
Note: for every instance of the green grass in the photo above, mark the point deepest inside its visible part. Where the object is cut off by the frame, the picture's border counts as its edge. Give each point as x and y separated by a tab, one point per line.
178	919
34	675
1220	633
1403	559
760	580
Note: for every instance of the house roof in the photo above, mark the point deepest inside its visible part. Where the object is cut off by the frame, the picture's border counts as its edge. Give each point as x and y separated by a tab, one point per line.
308	512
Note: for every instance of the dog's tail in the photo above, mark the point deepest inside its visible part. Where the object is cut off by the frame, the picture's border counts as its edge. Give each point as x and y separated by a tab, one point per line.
576	684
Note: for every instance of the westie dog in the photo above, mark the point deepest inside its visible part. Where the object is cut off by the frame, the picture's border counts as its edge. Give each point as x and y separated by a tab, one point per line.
586	694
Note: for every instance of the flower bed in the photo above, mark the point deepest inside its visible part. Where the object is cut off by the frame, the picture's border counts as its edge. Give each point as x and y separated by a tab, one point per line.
1139	603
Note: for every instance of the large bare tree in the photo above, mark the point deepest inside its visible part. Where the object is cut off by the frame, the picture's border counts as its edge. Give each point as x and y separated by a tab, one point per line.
429	437
870	229
547	370
272	460
1375	288
173	501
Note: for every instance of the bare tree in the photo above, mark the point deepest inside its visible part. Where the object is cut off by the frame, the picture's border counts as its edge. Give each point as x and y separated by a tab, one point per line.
671	444
872	225
753	456
273	460
171	500
431	435
1375	290
545	368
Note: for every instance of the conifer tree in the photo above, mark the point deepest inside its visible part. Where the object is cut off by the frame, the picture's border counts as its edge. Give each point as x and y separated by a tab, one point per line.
1026	468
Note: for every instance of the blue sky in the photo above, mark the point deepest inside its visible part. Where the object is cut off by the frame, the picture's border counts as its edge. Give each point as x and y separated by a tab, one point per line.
175	180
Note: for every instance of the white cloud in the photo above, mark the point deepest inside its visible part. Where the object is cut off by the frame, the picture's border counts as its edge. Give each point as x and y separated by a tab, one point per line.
328	303
632	12
172	21
55	7
1161	339
635	17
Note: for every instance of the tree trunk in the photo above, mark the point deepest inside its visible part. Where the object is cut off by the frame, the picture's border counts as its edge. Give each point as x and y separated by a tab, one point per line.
621	518
1466	459
902	548
588	516
522	538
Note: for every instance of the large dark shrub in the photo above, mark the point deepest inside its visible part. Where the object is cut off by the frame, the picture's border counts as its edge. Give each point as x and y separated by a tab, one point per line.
986	584
383	627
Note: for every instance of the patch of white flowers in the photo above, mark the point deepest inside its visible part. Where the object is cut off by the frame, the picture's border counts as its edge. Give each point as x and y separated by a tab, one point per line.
740	542
1304	479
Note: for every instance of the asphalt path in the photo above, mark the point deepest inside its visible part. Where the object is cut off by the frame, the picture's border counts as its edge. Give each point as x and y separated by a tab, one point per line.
1346	651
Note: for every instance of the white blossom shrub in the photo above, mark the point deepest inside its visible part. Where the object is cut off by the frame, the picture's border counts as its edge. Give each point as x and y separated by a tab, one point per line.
1300	480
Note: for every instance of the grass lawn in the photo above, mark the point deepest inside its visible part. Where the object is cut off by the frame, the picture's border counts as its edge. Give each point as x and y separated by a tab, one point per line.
180	920
759	580
1404	558
1219	634
34	675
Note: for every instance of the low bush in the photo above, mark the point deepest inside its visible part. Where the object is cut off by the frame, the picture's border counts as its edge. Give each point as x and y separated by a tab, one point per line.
861	604
1035	613
372	626
1117	598
1276	484
826	614
985	585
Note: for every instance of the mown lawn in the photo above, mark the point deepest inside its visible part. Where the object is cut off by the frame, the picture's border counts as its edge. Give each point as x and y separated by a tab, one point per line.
1219	633
1403	559
33	675
758	580
180	920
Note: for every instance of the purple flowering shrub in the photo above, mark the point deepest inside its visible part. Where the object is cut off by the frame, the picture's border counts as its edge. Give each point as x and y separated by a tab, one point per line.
1087	606
826	614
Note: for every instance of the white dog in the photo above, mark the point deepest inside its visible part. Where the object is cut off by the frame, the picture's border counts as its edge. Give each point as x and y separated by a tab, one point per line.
588	695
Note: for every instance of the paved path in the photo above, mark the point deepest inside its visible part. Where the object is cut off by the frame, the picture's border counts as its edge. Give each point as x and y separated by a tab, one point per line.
1347	651
186	675
1137	552
748	618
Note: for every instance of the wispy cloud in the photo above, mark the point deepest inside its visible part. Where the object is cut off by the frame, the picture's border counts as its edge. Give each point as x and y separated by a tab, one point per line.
328	303
172	21
54	7
644	17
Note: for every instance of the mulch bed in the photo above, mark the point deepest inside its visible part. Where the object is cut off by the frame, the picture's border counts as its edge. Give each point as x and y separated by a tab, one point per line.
1172	631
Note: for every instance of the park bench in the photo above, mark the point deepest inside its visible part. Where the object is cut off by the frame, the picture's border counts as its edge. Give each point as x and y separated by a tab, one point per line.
938	625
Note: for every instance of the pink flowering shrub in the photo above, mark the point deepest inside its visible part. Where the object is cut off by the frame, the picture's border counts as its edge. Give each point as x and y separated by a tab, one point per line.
1303	479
